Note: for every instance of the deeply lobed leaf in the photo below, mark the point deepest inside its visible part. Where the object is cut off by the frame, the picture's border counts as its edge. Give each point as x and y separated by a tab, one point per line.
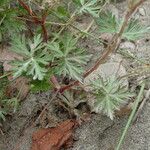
110	95
108	23
35	57
68	57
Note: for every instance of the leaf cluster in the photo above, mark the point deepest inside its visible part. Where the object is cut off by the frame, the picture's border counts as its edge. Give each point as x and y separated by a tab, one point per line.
88	6
110	95
68	57
9	24
35	57
64	55
108	23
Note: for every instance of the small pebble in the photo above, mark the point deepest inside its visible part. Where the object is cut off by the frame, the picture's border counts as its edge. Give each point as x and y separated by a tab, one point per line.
142	11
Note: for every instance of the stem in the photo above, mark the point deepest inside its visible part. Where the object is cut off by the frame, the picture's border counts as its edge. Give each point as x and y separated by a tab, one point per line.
44	32
35	18
131	117
5	75
54	80
112	46
42	23
87	33
25	7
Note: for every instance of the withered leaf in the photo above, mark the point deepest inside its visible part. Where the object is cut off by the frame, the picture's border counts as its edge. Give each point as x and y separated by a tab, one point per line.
19	85
53	138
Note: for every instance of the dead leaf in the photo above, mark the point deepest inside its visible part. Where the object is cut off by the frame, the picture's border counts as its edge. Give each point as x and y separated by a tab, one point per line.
54	138
6	56
126	110
19	85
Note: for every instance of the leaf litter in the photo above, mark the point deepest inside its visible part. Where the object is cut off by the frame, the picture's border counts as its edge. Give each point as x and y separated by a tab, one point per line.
54	138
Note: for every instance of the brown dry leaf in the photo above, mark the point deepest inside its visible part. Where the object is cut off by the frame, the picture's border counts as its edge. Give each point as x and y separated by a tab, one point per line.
7	56
126	110
54	138
19	85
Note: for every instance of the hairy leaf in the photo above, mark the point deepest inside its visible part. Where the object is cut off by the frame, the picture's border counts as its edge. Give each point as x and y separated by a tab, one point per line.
68	57
108	23
88	7
35	57
110	95
9	24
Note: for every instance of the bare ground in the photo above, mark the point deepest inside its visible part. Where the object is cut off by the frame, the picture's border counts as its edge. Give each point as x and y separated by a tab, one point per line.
100	133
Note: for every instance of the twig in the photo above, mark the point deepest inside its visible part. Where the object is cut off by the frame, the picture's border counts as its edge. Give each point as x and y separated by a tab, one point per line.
1	131
5	75
46	107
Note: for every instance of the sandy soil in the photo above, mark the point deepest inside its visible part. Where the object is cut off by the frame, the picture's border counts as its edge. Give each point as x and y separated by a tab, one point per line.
100	133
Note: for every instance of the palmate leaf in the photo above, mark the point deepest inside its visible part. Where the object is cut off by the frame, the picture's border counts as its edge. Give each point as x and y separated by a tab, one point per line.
38	85
110	95
108	23
88	7
35	57
68	57
135	30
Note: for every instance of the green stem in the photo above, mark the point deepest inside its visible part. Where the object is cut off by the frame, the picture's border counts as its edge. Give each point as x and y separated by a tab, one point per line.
5	75
131	117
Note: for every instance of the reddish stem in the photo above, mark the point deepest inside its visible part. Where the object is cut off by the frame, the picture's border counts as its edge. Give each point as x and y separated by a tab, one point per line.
35	18
112	46
55	82
42	23
26	7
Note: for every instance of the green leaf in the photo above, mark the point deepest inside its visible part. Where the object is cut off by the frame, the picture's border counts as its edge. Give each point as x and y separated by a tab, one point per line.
88	7
62	11
4	2
43	85
110	95
135	30
68	58
9	24
35	57
108	23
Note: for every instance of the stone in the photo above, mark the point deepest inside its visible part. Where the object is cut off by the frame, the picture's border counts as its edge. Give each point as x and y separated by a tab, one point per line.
128	45
105	71
142	11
